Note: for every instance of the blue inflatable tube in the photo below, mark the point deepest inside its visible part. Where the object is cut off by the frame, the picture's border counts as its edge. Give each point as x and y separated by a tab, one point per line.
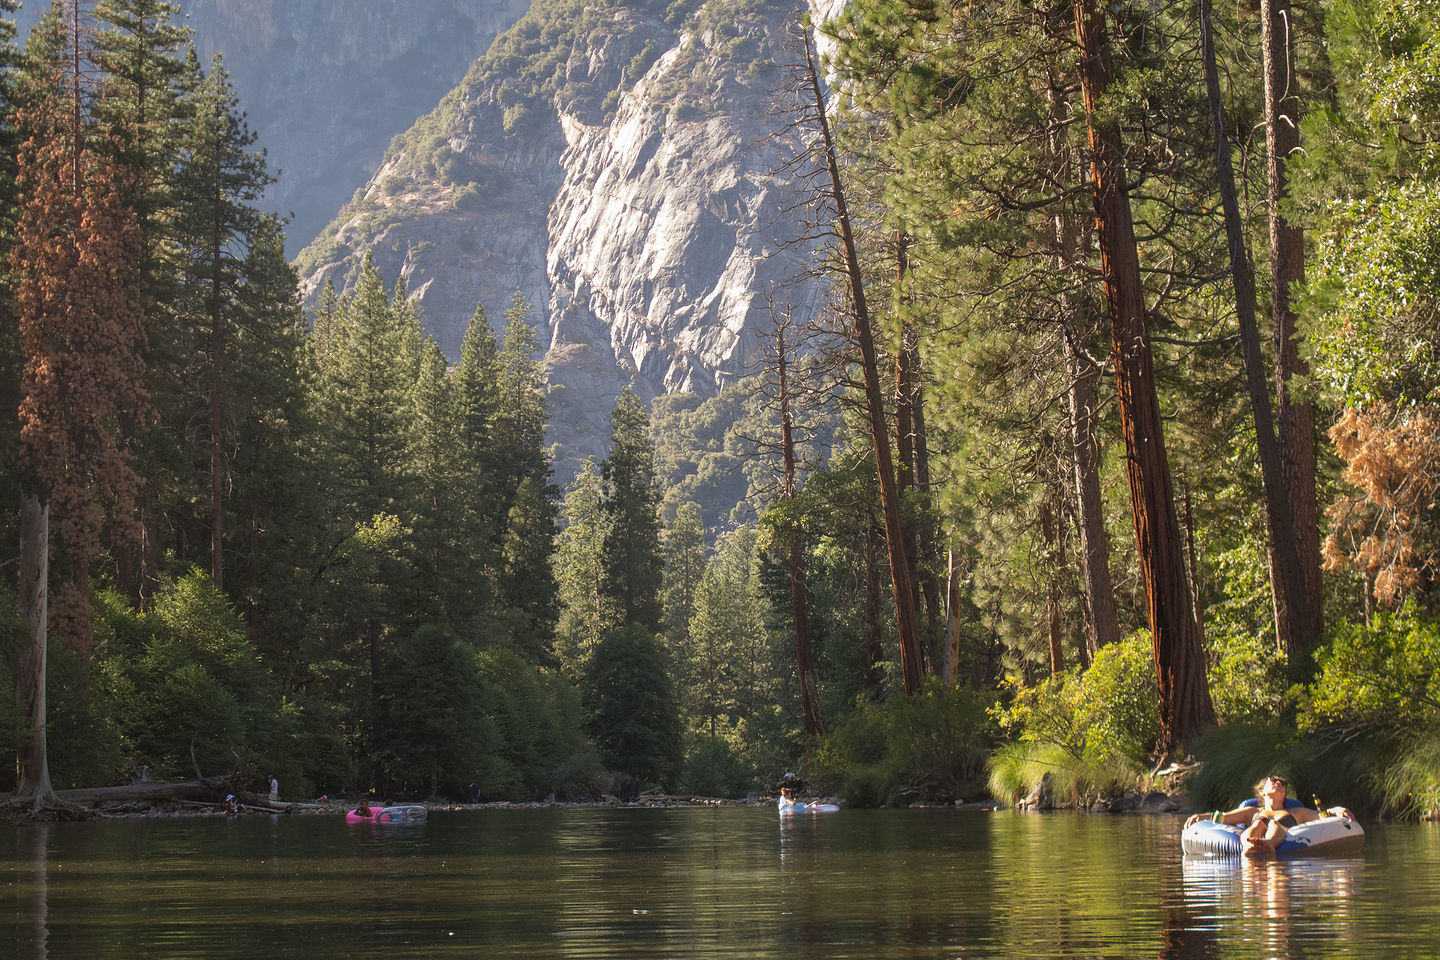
1326	837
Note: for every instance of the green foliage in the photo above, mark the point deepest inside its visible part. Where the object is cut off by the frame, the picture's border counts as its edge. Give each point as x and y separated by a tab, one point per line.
715	768
1381	676
13	636
1092	731
535	716
429	739
1248	678
184	686
630	707
931	745
630	554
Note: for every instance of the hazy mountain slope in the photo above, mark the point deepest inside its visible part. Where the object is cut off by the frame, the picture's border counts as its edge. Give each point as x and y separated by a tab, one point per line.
616	162
326	84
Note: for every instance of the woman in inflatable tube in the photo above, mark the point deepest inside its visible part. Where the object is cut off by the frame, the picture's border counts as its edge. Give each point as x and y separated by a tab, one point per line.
1269	818
788	804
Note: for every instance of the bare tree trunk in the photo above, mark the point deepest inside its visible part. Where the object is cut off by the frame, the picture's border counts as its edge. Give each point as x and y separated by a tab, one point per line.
1286	580
874	648
1050	530
32	776
217	418
1185	705
811	719
1102	624
1296	419
926	545
910	660
950	661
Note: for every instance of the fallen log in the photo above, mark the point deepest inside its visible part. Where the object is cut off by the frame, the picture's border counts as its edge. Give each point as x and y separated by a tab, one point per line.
207	789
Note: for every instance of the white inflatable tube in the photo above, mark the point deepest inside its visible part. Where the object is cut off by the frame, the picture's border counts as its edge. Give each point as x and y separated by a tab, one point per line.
1326	837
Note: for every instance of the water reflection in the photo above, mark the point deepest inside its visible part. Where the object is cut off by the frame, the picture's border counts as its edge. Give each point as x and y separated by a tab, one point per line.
706	883
32	904
1279	905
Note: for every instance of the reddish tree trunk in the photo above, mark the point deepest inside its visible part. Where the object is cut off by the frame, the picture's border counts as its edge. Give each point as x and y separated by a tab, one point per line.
1185	705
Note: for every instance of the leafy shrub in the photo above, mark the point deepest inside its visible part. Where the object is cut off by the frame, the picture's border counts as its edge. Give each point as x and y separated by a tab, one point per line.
183	684
1092	731
930	745
430	738
1384	675
1247	678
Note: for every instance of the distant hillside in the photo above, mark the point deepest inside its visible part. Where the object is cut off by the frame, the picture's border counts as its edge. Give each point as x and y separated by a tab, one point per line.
326	84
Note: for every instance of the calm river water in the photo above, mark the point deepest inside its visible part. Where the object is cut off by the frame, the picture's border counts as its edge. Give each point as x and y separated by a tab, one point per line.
702	882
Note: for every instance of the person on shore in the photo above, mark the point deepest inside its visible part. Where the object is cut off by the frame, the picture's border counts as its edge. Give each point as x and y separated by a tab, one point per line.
274	788
1269	814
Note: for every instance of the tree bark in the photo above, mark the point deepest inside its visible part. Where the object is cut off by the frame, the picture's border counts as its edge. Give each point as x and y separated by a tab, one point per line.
32	775
811	719
1185	706
1286	580
1296	420
910	660
1101	622
874	648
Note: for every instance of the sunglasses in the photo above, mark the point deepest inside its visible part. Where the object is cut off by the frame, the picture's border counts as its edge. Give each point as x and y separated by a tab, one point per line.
1279	780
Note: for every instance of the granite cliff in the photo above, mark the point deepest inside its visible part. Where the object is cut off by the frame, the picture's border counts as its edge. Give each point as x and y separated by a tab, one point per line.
621	165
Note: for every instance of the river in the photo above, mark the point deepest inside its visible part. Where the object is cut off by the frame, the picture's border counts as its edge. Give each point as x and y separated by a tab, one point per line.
702	882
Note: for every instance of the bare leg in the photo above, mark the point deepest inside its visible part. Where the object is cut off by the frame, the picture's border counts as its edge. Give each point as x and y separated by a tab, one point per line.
1252	840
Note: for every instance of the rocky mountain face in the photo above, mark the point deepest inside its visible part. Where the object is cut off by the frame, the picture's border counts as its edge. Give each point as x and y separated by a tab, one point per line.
621	165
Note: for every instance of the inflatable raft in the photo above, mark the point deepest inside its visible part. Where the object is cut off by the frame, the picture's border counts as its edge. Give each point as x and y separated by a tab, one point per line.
791	806
1326	837
401	814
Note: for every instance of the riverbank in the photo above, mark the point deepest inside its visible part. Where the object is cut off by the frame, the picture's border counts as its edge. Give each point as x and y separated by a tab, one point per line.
126	806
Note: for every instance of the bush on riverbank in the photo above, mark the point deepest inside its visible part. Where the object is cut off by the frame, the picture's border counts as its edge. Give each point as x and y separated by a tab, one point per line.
1091	731
927	747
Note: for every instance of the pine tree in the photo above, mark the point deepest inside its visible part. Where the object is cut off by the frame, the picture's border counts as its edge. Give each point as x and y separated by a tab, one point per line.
366	377
527	582
586	609
631	555
432	446
220	177
277	486
81	335
478	506
684	555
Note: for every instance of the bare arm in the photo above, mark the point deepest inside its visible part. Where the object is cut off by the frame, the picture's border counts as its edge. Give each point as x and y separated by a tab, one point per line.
1242	814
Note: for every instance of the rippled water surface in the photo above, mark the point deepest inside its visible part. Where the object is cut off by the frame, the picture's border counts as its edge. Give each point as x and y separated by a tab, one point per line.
703	882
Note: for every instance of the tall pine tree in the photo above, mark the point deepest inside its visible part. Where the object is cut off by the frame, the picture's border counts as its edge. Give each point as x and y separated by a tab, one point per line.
631	557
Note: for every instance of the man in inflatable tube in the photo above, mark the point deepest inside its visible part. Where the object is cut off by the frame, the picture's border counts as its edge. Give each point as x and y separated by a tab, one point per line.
1270	814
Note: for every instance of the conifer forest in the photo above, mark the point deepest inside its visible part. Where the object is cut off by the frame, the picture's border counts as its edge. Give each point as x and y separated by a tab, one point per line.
1112	462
